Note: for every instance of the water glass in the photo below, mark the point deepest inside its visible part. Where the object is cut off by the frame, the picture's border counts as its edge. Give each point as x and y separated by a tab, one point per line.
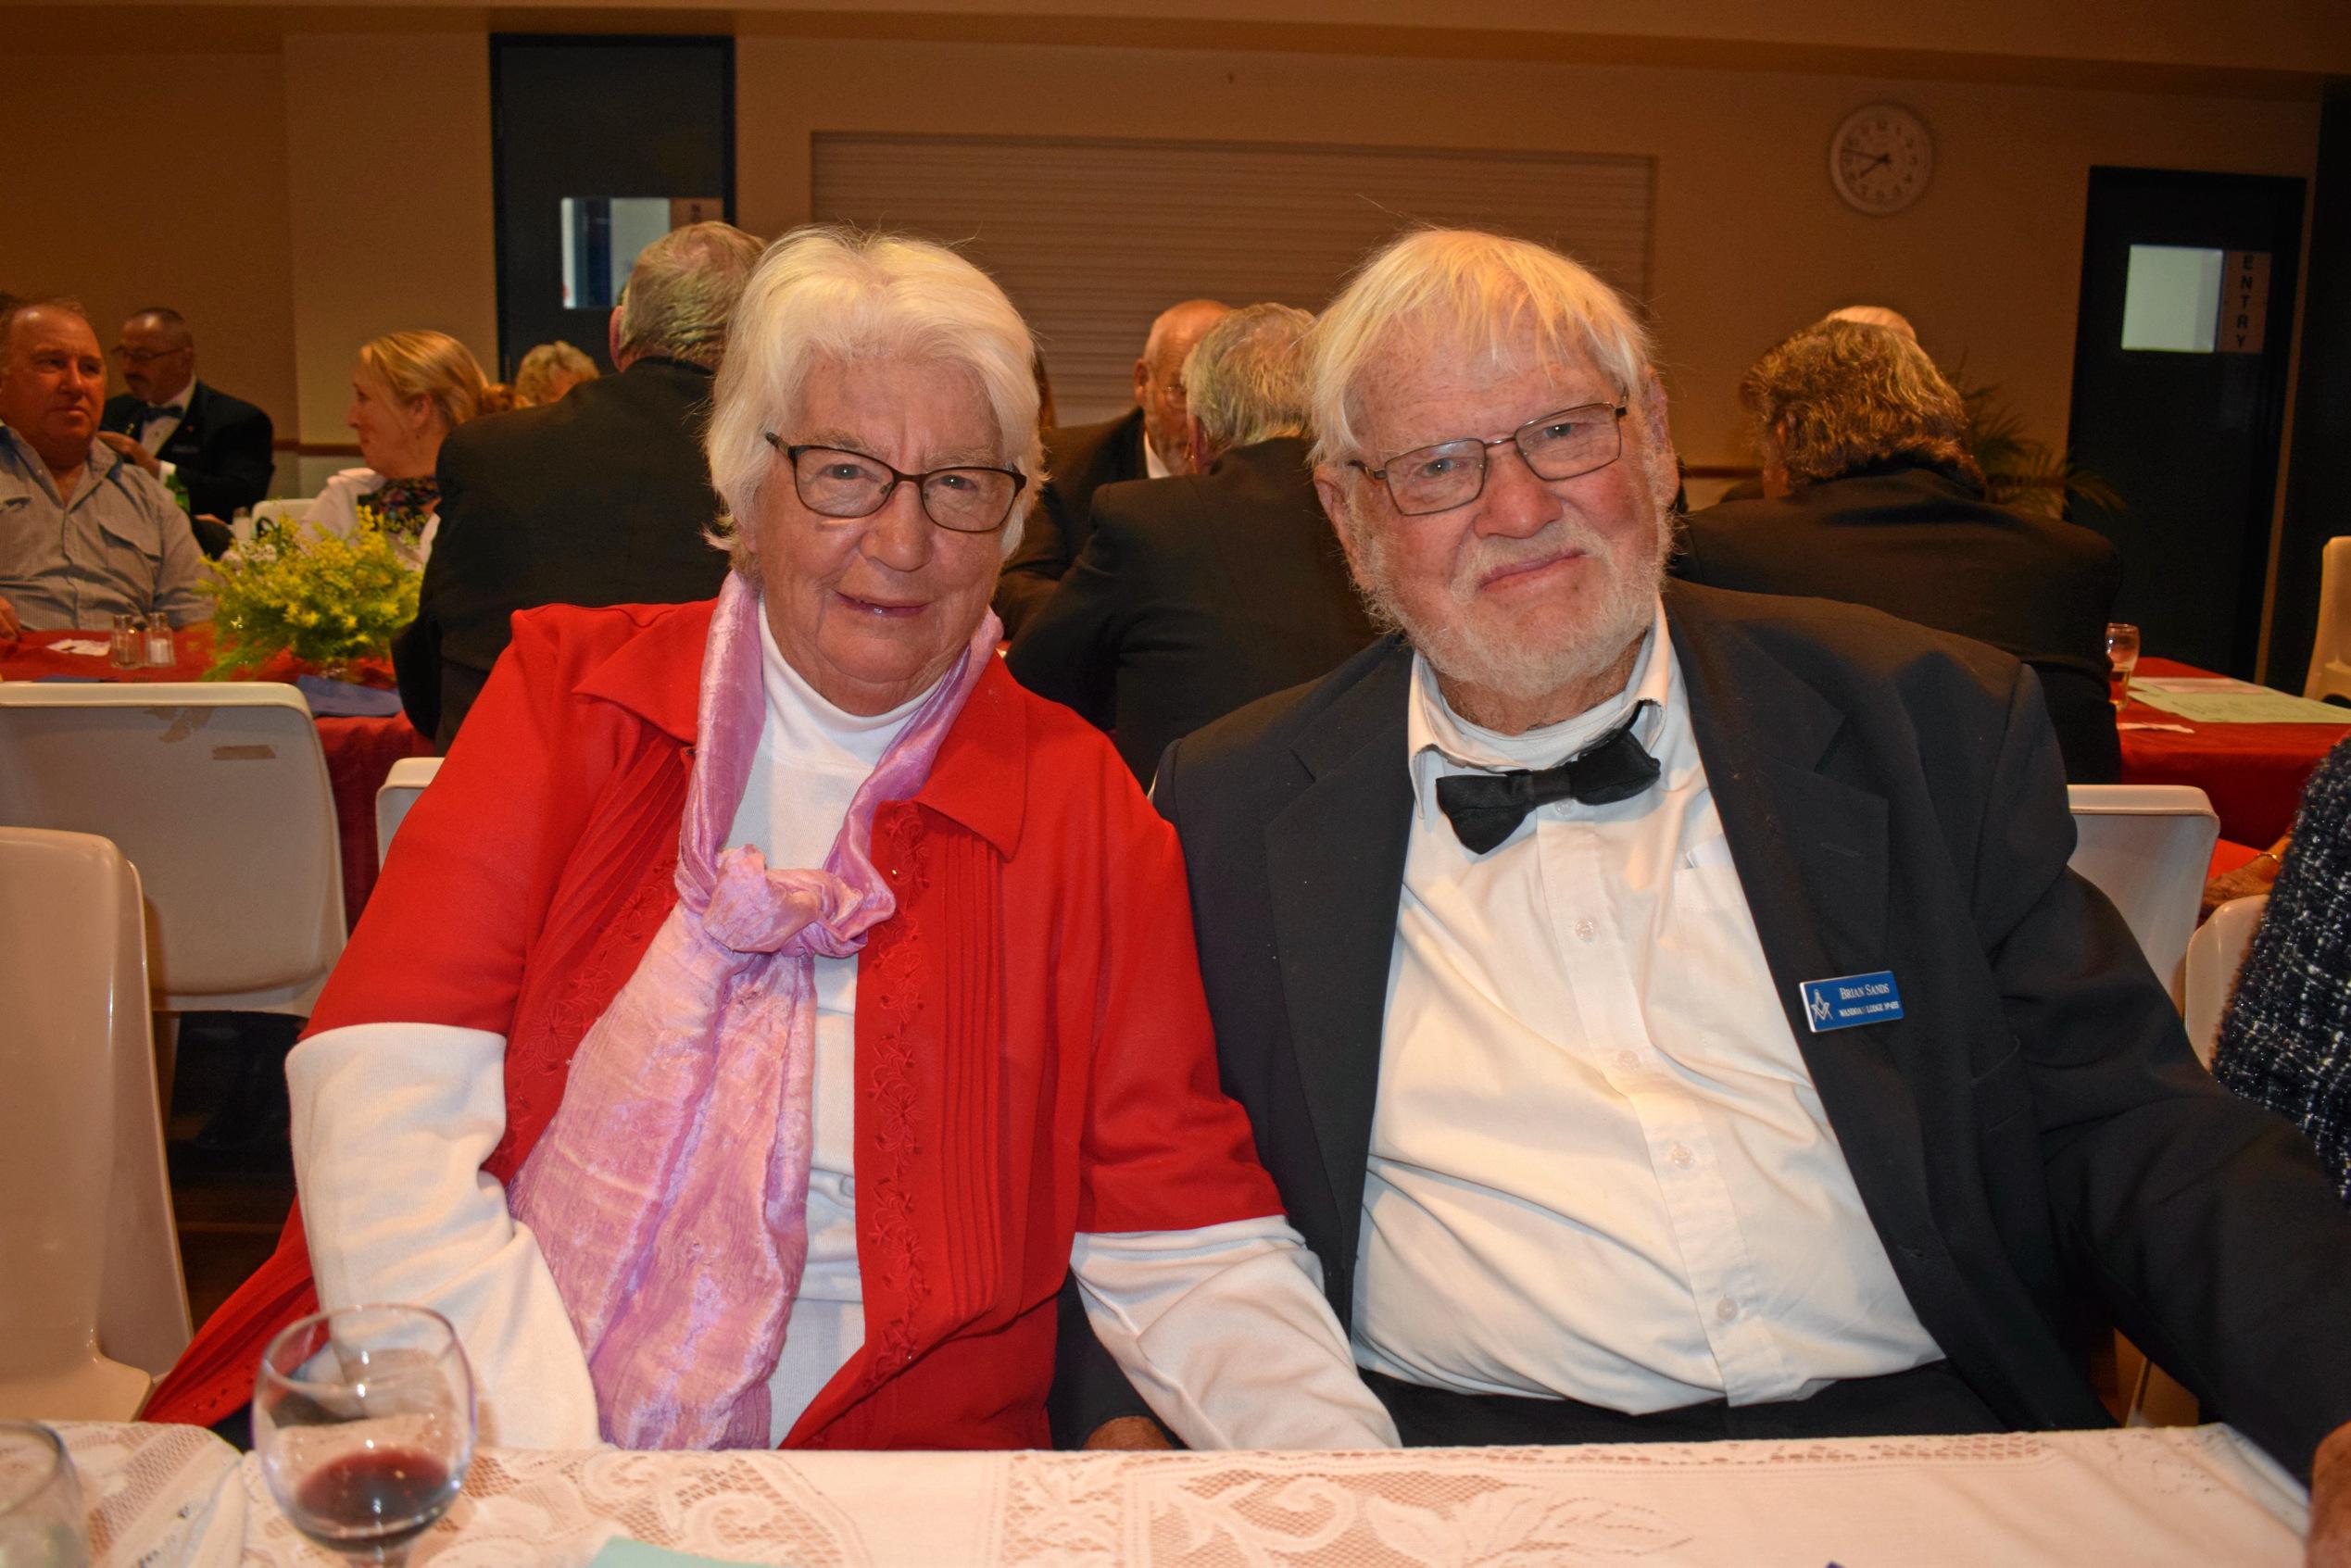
2122	657
126	647
42	1524
363	1420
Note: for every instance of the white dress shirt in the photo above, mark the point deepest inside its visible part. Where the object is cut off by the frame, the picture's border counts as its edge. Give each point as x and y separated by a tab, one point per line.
1155	465
1599	1168
1222	1329
156	430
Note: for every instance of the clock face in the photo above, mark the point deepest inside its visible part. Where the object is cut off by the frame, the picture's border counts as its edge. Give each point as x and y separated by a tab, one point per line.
1880	158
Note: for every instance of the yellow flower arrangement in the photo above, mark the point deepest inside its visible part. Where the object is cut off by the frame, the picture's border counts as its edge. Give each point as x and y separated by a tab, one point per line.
324	599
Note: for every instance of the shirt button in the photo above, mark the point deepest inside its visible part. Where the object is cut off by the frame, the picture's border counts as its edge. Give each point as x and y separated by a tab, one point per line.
1586	931
1628	1059
1682	1157
1726	1308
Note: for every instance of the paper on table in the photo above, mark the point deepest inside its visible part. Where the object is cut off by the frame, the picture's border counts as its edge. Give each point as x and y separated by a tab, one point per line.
622	1552
94	648
2239	704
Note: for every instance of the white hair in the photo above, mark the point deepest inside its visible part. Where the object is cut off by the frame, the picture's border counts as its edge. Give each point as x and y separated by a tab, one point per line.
833	293
1483	296
1245	380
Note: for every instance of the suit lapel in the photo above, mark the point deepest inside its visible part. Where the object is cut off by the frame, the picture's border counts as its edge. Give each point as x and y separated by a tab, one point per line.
1812	856
1335	857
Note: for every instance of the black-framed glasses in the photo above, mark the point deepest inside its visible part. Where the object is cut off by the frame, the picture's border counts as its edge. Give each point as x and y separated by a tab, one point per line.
837	482
143	356
1452	473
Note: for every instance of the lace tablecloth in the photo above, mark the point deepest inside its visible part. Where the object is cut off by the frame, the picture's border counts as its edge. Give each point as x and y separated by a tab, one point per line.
2187	1495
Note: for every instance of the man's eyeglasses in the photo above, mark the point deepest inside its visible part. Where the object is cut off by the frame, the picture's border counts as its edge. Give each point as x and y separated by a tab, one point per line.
143	356
1452	473
834	481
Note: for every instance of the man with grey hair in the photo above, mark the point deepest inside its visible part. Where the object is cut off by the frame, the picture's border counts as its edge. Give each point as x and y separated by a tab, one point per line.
1668	1012
1202	592
600	498
1148	442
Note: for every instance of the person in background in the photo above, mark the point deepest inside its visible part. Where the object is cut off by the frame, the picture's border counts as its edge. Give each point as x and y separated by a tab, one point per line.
171	424
2285	1041
85	534
548	371
1866	315
602	498
408	392
1145	442
1203	591
781	963
1870	497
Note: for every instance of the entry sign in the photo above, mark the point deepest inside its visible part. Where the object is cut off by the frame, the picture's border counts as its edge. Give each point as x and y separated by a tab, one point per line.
1850	1000
2244	302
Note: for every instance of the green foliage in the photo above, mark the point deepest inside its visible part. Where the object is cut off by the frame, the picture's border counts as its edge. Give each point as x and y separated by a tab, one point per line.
2022	472
325	600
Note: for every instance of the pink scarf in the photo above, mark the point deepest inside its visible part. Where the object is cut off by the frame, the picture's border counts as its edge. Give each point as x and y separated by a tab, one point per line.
670	1193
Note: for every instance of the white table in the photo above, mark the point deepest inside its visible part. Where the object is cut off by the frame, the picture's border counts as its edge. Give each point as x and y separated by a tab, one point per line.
2200	1496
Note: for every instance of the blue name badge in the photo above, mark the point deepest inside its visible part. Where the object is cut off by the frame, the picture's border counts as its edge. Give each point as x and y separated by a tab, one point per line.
1851	999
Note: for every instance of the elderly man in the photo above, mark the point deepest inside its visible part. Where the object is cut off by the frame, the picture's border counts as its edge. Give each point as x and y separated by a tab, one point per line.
1146	443
84	532
602	497
1204	591
1871	498
170	422
1670	1014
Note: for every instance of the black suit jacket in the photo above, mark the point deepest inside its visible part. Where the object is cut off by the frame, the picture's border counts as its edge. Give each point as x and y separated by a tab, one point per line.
221	448
1925	545
1194	595
1078	461
2032	1140
600	498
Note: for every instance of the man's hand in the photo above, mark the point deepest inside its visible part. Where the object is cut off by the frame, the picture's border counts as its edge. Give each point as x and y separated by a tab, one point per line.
1142	1432
132	450
8	626
2330	1545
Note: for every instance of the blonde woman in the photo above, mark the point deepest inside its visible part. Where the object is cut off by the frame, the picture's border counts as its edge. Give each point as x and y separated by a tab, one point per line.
408	391
548	371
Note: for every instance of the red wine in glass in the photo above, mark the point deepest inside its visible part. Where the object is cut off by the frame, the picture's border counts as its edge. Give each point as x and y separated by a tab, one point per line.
372	1498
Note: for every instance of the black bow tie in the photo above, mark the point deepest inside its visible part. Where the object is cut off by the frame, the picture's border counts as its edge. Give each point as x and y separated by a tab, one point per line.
1485	809
157	411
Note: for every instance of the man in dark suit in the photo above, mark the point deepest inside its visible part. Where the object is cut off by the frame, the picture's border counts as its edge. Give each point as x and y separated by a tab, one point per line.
1204	591
1147	443
601	497
169	422
1870	496
1671	1015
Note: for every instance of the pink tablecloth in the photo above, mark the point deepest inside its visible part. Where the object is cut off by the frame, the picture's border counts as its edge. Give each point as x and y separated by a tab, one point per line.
360	752
2254	773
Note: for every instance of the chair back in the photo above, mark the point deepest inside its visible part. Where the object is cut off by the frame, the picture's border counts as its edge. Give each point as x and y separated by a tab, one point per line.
401	786
2148	848
2331	649
217	791
92	1301
2215	954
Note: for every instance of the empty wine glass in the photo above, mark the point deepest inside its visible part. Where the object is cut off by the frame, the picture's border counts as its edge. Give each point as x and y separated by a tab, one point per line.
363	1418
42	1524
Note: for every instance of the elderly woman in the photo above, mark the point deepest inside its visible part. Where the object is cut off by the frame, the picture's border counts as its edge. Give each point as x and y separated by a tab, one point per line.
408	391
548	371
771	1002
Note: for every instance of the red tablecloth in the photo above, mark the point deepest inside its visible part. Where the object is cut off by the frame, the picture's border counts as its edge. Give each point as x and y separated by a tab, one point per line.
2254	773
360	752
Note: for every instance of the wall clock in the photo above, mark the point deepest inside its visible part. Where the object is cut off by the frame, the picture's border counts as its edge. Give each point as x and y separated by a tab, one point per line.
1880	158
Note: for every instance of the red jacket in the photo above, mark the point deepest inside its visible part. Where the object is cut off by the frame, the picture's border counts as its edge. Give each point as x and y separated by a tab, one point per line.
1033	1054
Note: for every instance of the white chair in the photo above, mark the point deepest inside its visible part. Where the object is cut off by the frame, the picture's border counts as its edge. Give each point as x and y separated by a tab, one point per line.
2147	848
91	1303
2331	648
401	786
217	791
2215	954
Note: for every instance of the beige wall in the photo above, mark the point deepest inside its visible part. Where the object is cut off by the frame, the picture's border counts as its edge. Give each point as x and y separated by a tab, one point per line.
1748	239
181	202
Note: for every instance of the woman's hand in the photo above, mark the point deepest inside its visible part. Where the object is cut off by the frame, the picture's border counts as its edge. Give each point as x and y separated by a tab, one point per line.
1133	1432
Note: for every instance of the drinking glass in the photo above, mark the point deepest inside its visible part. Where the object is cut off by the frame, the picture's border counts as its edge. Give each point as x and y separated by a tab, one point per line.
125	647
42	1524
363	1419
2122	657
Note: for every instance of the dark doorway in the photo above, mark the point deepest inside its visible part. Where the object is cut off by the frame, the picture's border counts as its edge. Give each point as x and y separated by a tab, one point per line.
601	144
2178	393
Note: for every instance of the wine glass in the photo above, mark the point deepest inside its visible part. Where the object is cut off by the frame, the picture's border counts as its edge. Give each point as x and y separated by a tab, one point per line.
42	1523
2122	658
363	1418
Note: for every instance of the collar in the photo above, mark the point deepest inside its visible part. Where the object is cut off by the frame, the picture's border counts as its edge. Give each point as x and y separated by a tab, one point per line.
1439	742
1153	468
32	472
979	781
180	399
